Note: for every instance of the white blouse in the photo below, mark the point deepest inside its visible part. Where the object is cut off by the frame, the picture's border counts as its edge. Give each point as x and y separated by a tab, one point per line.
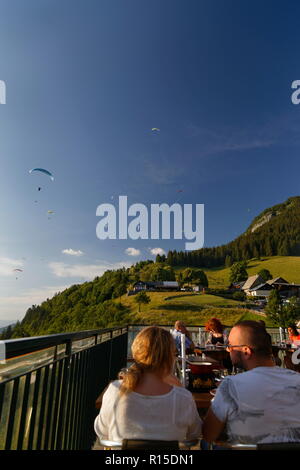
169	417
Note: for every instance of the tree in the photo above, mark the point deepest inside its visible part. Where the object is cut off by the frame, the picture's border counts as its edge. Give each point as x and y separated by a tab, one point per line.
179	279
239	295
187	275
119	290
199	278
142	298
238	272
265	274
228	261
282	315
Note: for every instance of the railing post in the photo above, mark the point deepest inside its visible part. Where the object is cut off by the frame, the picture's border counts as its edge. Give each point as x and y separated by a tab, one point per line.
63	395
183	359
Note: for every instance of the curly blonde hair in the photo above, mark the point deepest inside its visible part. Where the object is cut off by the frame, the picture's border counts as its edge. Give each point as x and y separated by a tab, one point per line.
153	350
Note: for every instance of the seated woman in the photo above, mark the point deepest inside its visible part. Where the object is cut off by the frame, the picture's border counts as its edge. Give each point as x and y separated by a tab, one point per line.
293	333
145	404
217	334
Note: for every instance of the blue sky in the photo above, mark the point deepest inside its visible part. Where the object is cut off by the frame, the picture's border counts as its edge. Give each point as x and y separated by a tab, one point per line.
87	81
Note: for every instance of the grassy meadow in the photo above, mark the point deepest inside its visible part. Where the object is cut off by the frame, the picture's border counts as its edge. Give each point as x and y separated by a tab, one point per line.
193	309
196	309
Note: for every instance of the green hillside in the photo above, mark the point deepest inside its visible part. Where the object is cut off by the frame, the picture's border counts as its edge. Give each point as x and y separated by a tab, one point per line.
103	302
193	309
287	267
274	232
272	241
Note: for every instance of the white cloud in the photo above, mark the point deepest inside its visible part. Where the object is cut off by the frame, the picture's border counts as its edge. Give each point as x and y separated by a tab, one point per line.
157	251
70	251
132	252
7	265
15	306
84	271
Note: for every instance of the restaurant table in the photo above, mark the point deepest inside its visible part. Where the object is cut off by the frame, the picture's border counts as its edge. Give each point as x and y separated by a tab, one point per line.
218	354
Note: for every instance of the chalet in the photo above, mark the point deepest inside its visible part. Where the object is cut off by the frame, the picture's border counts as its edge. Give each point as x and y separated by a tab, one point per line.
262	290
252	281
155	286
277	280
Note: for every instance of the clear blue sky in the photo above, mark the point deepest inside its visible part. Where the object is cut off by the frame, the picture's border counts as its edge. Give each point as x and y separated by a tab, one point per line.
86	83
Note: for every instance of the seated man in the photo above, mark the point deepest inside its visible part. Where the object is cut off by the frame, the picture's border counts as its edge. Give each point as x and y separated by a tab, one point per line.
179	329
261	405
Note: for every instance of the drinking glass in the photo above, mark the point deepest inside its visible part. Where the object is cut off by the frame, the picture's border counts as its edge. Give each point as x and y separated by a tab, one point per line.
225	372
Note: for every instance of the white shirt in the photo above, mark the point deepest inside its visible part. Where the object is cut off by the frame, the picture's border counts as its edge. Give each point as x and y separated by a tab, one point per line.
260	405
169	417
177	337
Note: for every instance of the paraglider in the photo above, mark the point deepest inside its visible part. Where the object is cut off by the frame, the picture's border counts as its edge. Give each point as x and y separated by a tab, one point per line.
18	270
39	188
155	129
42	170
50	212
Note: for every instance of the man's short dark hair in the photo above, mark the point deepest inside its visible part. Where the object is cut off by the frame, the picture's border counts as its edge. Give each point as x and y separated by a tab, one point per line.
259	339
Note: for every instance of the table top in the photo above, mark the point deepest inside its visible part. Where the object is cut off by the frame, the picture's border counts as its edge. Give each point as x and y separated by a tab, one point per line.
199	359
210	348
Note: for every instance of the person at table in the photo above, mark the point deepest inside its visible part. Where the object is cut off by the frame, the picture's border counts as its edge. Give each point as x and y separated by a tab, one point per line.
177	332
293	333
261	405
144	404
217	333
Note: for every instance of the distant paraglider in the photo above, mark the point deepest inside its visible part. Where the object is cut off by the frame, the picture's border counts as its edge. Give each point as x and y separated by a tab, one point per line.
18	270
155	129
42	170
50	213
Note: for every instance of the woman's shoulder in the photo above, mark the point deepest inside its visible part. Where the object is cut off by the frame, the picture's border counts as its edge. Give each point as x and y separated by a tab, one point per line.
182	392
114	386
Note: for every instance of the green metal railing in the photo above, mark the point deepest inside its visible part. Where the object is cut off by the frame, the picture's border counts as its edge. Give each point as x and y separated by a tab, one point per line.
49	385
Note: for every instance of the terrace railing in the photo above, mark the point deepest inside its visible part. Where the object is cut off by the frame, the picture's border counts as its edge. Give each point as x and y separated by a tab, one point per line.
49	385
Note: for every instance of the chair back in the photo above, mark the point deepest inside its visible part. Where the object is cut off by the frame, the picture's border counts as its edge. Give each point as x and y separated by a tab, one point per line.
143	444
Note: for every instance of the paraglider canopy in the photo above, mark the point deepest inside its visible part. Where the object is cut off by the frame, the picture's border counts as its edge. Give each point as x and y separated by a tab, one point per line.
18	271
155	129
42	170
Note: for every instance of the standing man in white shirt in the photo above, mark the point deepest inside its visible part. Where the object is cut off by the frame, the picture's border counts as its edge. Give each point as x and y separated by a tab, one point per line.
261	405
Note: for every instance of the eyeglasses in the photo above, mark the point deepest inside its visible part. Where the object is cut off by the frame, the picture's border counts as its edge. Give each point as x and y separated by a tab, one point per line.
230	347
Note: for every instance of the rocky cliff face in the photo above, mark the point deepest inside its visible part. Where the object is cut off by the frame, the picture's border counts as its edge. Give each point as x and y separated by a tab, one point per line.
265	219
